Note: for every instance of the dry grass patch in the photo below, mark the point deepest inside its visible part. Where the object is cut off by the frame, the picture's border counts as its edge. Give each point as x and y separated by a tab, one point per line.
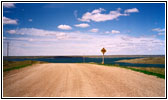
150	60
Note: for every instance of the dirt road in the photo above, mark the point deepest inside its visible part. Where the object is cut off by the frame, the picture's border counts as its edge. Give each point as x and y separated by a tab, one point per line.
80	80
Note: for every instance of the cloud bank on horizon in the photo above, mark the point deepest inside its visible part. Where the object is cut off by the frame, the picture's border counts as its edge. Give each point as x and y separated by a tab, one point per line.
66	29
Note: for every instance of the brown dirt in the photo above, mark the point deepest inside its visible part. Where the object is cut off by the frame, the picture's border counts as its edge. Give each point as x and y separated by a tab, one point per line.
80	80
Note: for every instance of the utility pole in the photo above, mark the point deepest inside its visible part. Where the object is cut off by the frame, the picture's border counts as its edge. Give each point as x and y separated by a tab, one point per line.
7	48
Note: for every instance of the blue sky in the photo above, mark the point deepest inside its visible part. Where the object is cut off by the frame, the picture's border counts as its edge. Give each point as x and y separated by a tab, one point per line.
84	28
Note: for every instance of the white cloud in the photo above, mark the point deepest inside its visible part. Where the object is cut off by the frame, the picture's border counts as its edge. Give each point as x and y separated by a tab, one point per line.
8	5
97	15
47	42
133	10
20	39
9	21
83	25
4	38
30	20
65	27
98	10
133	45
158	30
11	31
107	32
38	32
94	30
161	33
115	31
90	43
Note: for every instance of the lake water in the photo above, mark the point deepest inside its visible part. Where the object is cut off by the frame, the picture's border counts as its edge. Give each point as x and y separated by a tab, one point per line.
88	60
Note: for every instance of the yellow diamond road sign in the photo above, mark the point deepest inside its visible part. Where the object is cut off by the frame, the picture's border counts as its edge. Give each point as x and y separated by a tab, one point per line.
103	50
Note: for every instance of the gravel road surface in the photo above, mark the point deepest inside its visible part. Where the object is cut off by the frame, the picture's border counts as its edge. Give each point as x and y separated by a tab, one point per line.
80	80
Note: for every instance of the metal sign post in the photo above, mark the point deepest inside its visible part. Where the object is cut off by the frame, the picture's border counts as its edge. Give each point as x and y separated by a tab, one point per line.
103	51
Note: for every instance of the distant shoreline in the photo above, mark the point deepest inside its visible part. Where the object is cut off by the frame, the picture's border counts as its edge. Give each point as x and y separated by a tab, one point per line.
88	56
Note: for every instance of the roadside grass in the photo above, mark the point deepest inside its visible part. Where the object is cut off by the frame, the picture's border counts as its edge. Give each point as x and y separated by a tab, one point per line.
148	60
159	72
11	65
152	69
18	67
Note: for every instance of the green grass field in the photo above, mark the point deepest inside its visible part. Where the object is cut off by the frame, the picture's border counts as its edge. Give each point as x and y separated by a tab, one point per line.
148	60
159	72
11	65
